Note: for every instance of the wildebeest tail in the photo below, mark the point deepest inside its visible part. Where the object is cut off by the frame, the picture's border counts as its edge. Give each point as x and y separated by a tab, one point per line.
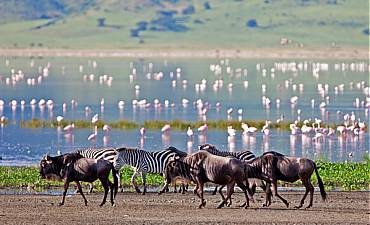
321	184
115	180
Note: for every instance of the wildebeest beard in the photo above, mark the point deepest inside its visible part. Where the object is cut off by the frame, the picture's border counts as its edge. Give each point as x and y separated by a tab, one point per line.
50	168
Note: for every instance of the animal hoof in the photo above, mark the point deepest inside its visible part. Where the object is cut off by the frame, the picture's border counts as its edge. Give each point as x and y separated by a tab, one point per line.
113	205
244	204
298	206
137	190
309	206
60	204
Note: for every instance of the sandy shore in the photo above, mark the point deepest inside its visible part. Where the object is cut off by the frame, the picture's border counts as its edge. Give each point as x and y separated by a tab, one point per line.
132	208
265	53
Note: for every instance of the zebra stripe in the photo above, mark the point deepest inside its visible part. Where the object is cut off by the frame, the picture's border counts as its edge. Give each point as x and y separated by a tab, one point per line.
108	154
145	162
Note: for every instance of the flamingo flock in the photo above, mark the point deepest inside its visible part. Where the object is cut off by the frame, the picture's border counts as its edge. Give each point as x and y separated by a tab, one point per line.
226	77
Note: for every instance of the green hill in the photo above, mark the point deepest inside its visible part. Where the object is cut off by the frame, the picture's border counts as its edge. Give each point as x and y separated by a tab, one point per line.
197	24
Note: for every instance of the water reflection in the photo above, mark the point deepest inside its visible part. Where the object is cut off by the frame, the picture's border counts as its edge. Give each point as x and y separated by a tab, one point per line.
191	90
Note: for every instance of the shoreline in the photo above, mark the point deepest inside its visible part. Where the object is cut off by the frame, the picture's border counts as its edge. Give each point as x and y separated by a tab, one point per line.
251	53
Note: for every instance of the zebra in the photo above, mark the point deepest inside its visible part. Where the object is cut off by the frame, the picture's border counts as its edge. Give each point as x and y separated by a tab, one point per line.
145	162
108	154
247	156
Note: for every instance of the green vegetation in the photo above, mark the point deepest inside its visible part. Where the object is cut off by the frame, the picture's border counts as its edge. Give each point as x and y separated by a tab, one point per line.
158	124
147	24
346	176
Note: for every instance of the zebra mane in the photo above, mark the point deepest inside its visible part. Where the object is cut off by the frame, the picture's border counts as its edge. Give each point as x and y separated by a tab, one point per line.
273	153
177	151
128	149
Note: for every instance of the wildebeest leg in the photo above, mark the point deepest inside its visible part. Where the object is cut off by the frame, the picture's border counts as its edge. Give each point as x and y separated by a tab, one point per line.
81	192
309	188
106	184
174	187
91	188
230	191
220	191
245	189
268	195
200	194
66	184
215	190
165	186
114	186
143	177
195	191
133	181
274	188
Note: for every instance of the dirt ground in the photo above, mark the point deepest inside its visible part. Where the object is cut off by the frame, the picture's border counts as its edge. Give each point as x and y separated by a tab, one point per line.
172	208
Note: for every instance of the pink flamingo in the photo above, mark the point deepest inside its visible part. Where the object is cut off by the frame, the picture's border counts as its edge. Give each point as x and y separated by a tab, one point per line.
107	129
166	128
69	128
203	128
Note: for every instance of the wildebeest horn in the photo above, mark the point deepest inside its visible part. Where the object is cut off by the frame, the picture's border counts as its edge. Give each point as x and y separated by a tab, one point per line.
46	156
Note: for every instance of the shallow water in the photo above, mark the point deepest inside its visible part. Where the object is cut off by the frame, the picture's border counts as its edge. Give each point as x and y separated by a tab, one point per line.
65	82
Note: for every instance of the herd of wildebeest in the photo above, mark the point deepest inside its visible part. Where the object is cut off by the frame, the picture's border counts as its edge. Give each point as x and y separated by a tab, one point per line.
208	164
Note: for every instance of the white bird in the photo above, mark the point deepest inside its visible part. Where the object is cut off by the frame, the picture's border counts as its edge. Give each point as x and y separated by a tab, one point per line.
231	131
294	130
142	131
59	119
121	104
93	135
69	128
106	128
166	128
229	111
95	119
189	132
265	129
203	128
33	102
331	132
245	128
341	129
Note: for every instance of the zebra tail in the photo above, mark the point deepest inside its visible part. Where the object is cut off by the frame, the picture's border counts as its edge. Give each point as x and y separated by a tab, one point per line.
321	184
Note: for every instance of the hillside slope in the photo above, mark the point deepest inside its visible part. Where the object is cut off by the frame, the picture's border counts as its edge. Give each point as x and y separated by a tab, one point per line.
190	24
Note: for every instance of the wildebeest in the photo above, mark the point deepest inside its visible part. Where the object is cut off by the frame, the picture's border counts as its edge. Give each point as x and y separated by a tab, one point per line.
273	166
73	167
246	156
202	167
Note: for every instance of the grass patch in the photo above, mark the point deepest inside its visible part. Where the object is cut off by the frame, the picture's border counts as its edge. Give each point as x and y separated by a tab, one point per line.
346	176
158	124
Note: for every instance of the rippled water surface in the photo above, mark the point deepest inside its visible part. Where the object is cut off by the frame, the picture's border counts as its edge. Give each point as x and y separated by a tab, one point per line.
301	86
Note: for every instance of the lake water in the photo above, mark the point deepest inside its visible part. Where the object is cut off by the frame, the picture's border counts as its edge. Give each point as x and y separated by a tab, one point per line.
233	83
